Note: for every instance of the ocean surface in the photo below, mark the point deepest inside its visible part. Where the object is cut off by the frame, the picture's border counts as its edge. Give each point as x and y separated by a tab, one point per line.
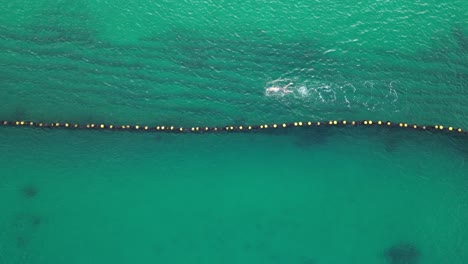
323	195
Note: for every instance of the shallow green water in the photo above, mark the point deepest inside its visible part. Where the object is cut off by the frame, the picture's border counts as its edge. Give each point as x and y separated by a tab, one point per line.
323	195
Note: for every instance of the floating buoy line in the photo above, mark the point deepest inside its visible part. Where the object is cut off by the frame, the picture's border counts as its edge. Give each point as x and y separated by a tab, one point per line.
231	128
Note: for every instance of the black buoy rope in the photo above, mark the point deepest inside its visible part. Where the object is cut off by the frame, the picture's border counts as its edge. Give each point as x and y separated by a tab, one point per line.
232	128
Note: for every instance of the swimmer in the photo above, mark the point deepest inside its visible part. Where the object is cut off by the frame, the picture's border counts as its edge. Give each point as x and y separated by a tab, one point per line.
277	89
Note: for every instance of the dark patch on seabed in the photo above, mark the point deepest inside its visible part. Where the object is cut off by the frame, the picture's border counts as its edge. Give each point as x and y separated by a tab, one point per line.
460	143
392	139
21	241
29	191
24	226
308	260
19	112
249	52
303	137
461	39
313	137
23	221
58	24
402	253
391	143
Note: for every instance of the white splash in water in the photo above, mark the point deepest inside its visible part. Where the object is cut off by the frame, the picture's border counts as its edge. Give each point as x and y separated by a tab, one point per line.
303	91
371	95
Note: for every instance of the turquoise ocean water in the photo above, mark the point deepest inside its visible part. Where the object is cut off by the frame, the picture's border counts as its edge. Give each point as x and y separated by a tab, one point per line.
307	196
